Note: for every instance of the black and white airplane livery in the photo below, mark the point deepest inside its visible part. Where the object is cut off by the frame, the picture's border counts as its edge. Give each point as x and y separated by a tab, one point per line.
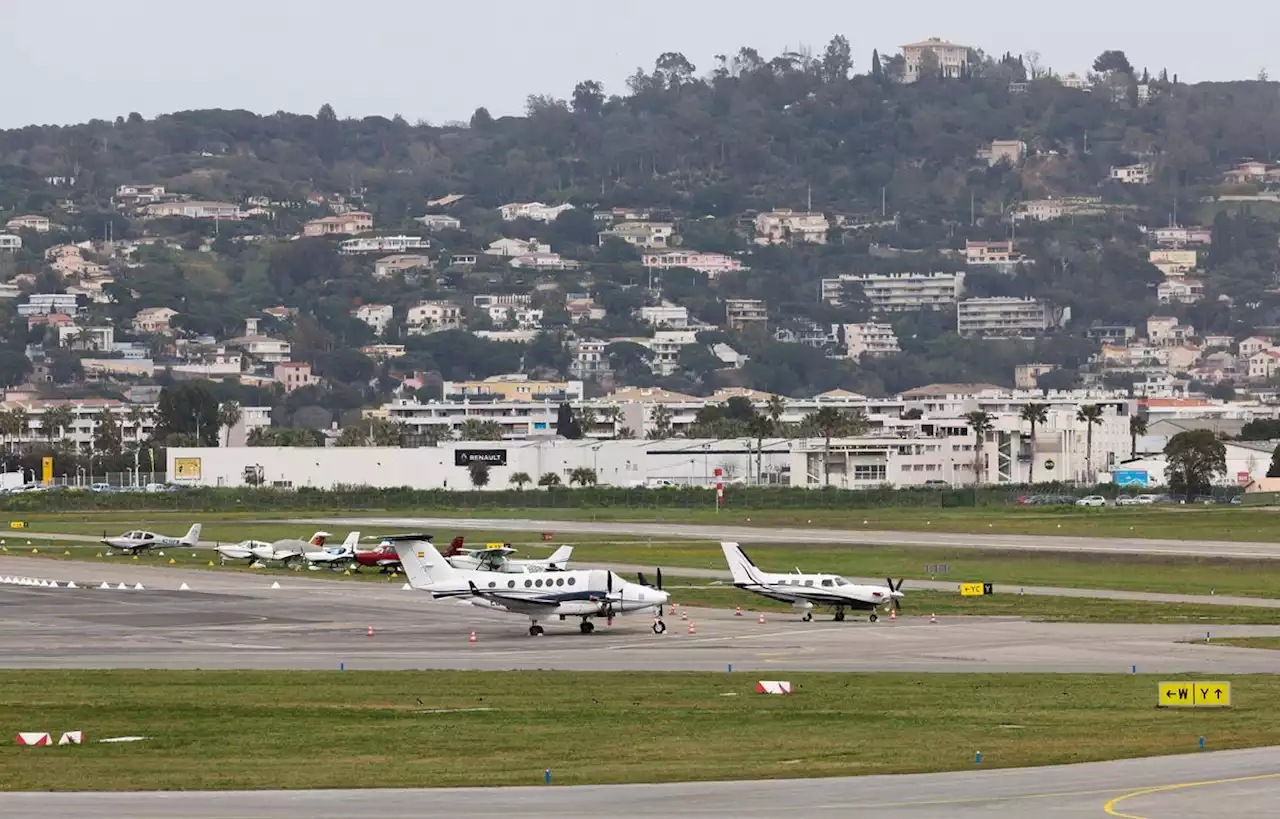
804	591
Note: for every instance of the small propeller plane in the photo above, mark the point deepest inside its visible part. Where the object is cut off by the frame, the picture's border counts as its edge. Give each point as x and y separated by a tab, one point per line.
580	593
803	591
334	557
139	540
288	551
495	557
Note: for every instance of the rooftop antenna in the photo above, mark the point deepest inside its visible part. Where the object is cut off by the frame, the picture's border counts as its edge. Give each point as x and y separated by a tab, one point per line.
809	207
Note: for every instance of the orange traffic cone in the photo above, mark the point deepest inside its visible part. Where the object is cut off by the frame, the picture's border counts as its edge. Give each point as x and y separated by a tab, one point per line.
762	618
692	628
893	614
933	618
684	615
473	636
738	612
672	613
371	630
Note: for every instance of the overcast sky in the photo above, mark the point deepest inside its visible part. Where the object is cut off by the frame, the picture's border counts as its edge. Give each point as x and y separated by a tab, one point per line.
71	60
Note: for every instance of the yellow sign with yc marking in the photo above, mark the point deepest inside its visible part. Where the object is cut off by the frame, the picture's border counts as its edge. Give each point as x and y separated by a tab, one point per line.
1194	694
975	589
17	524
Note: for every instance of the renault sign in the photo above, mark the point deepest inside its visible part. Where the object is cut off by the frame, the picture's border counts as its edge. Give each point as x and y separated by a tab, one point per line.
490	457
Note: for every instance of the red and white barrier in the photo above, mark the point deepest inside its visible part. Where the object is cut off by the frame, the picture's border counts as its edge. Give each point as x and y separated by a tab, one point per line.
33	738
773	687
72	738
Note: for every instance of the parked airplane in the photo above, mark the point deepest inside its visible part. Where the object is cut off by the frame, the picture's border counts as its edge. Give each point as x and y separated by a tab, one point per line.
334	557
803	591
495	558
288	551
139	540
579	593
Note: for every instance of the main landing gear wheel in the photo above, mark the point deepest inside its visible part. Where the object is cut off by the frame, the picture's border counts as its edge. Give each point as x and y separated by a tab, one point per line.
535	631
587	627
873	617
839	618
808	615
659	627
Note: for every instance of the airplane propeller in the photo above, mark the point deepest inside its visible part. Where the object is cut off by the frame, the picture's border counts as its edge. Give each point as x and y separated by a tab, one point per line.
897	601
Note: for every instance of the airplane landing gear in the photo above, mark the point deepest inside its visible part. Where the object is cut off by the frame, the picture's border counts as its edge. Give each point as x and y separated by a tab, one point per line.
535	630
659	627
808	615
839	618
587	627
873	617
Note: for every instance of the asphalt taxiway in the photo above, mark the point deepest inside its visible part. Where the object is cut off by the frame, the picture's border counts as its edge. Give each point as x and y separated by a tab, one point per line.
863	536
234	620
1228	783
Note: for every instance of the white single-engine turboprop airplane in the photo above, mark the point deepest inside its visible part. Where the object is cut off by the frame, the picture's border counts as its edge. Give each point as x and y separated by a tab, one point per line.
334	557
495	558
803	591
140	541
539	595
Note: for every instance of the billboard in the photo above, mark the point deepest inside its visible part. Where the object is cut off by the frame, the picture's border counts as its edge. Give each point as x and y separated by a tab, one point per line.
1132	477
46	470
186	469
492	457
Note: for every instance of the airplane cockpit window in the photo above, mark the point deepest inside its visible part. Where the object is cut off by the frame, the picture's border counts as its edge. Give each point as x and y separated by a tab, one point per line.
840	581
827	583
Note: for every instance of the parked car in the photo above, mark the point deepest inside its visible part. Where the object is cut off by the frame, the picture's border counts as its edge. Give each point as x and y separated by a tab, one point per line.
102	487
1094	501
1128	500
1147	500
1237	500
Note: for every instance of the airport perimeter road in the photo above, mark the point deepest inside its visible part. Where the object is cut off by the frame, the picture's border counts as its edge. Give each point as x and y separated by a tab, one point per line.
1235	783
764	534
234	620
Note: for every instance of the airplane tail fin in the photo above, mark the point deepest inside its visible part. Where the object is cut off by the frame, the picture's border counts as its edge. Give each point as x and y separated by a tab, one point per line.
422	562
193	535
744	571
560	557
318	540
353	540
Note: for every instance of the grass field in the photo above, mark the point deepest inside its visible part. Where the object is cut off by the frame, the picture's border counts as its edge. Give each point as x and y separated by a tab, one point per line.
690	592
1270	643
225	730
1172	522
1157	573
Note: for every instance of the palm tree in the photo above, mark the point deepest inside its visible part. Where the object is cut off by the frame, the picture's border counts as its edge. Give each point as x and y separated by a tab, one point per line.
22	421
520	479
9	427
1090	415
1137	428
626	434
828	422
775	407
660	416
586	419
583	476
981	424
57	420
759	427
549	479
261	436
136	415
613	417
228	417
474	429
1035	415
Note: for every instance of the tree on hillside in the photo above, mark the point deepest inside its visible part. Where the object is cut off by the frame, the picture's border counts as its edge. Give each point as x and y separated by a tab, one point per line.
1112	61
1034	414
1194	459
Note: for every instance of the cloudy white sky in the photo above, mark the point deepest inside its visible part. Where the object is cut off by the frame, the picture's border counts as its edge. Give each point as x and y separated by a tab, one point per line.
71	60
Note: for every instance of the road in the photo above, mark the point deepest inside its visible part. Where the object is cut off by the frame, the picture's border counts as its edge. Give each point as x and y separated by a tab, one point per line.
1236	783
764	534
235	620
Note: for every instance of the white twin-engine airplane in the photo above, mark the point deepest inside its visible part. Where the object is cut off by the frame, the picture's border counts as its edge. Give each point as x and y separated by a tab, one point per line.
803	591
287	551
140	540
538	595
495	557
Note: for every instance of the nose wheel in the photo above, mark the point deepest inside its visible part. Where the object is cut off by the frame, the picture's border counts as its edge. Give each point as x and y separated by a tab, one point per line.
587	627
659	627
808	615
873	617
535	630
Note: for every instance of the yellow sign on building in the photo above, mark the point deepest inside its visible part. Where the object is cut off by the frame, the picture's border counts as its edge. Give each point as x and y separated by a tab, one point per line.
186	469
1194	694
46	470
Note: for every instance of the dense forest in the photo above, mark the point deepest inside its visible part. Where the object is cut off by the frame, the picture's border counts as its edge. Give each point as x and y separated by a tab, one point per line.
894	162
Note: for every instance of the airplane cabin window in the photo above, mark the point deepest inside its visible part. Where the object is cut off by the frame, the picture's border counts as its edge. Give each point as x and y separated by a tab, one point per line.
511	584
528	583
808	582
827	583
571	581
538	582
492	584
559	581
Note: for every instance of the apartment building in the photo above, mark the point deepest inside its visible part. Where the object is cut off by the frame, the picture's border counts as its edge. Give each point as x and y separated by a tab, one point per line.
513	387
193	209
1130	174
141	194
153	320
786	226
935	55
1181	290
377	316
990	253
32	222
871	339
1009	151
899	292
294	375
1173	262
1046	210
741	313
388	266
510	248
43	304
1002	316
11	242
437	221
1182	236
432	316
668	315
589	358
647	235
136	421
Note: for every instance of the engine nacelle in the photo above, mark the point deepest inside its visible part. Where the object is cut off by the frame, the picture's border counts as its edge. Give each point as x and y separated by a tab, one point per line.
802	605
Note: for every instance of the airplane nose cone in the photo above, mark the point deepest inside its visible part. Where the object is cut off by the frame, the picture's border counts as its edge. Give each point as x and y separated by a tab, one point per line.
661	597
